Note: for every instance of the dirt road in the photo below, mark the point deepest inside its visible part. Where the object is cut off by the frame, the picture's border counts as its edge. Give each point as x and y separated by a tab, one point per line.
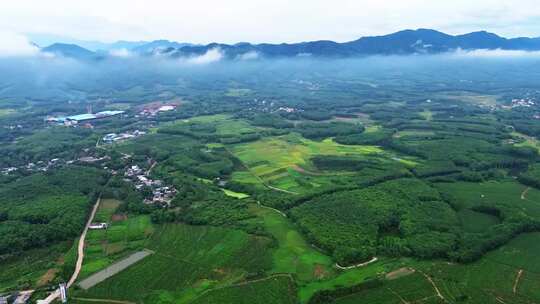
373	260
80	250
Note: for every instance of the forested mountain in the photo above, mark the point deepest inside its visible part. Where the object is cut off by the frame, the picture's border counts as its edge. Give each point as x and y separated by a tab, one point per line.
421	41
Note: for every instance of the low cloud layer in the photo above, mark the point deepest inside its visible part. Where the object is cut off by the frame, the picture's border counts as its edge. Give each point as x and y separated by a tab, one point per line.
498	53
122	53
210	56
249	56
15	45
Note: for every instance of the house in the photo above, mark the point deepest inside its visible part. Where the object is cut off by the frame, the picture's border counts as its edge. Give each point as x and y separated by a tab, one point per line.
98	226
23	297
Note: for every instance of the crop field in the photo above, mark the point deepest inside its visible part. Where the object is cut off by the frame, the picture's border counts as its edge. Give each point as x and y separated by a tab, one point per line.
187	261
507	193
414	288
469	284
124	236
279	289
284	161
224	124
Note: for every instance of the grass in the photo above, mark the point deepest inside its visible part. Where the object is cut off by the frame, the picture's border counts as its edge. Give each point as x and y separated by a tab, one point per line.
476	222
427	115
293	255
284	161
274	290
507	192
526	141
187	261
237	195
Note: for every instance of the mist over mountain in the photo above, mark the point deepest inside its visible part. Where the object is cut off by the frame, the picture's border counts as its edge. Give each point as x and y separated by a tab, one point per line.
407	42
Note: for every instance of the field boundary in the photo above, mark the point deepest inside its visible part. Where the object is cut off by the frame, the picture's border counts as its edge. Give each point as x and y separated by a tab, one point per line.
277	275
102	300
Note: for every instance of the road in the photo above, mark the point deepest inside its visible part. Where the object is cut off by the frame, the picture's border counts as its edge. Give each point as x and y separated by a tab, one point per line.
373	260
80	250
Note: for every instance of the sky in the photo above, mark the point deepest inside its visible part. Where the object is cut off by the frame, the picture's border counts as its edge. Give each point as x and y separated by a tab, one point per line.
274	21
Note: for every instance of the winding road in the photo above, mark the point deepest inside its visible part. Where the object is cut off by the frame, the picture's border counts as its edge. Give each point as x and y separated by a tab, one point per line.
80	250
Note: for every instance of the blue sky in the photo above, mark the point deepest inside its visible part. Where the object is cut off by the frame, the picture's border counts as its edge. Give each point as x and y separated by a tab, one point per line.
203	21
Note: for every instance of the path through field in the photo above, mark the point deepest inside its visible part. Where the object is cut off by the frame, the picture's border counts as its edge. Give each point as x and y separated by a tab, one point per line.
524	193
516	282
439	294
273	209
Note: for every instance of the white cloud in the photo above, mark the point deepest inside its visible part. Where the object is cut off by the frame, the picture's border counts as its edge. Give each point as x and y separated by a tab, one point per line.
122	53
498	53
13	44
231	21
251	55
210	56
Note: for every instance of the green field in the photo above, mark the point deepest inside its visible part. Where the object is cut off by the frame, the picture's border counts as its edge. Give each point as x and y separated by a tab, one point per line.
279	289
187	261
506	194
284	161
294	254
235	194
123	237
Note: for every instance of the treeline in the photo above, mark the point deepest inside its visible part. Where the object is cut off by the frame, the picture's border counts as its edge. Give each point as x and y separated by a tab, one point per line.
45	208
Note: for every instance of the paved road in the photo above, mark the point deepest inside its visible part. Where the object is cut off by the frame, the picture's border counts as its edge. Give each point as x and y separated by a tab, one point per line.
56	294
115	268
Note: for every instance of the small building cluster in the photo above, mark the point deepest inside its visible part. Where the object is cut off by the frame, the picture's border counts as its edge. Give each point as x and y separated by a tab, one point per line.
40	166
114	137
76	119
523	102
160	193
152	109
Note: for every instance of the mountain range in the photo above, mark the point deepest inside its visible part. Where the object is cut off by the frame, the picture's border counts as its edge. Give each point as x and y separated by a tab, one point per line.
407	42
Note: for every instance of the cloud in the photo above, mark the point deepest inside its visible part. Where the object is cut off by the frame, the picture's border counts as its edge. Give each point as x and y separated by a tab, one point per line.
212	55
122	53
241	20
13	44
251	55
497	53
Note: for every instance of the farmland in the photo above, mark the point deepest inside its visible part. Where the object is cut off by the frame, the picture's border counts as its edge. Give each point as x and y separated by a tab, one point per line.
189	260
314	183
